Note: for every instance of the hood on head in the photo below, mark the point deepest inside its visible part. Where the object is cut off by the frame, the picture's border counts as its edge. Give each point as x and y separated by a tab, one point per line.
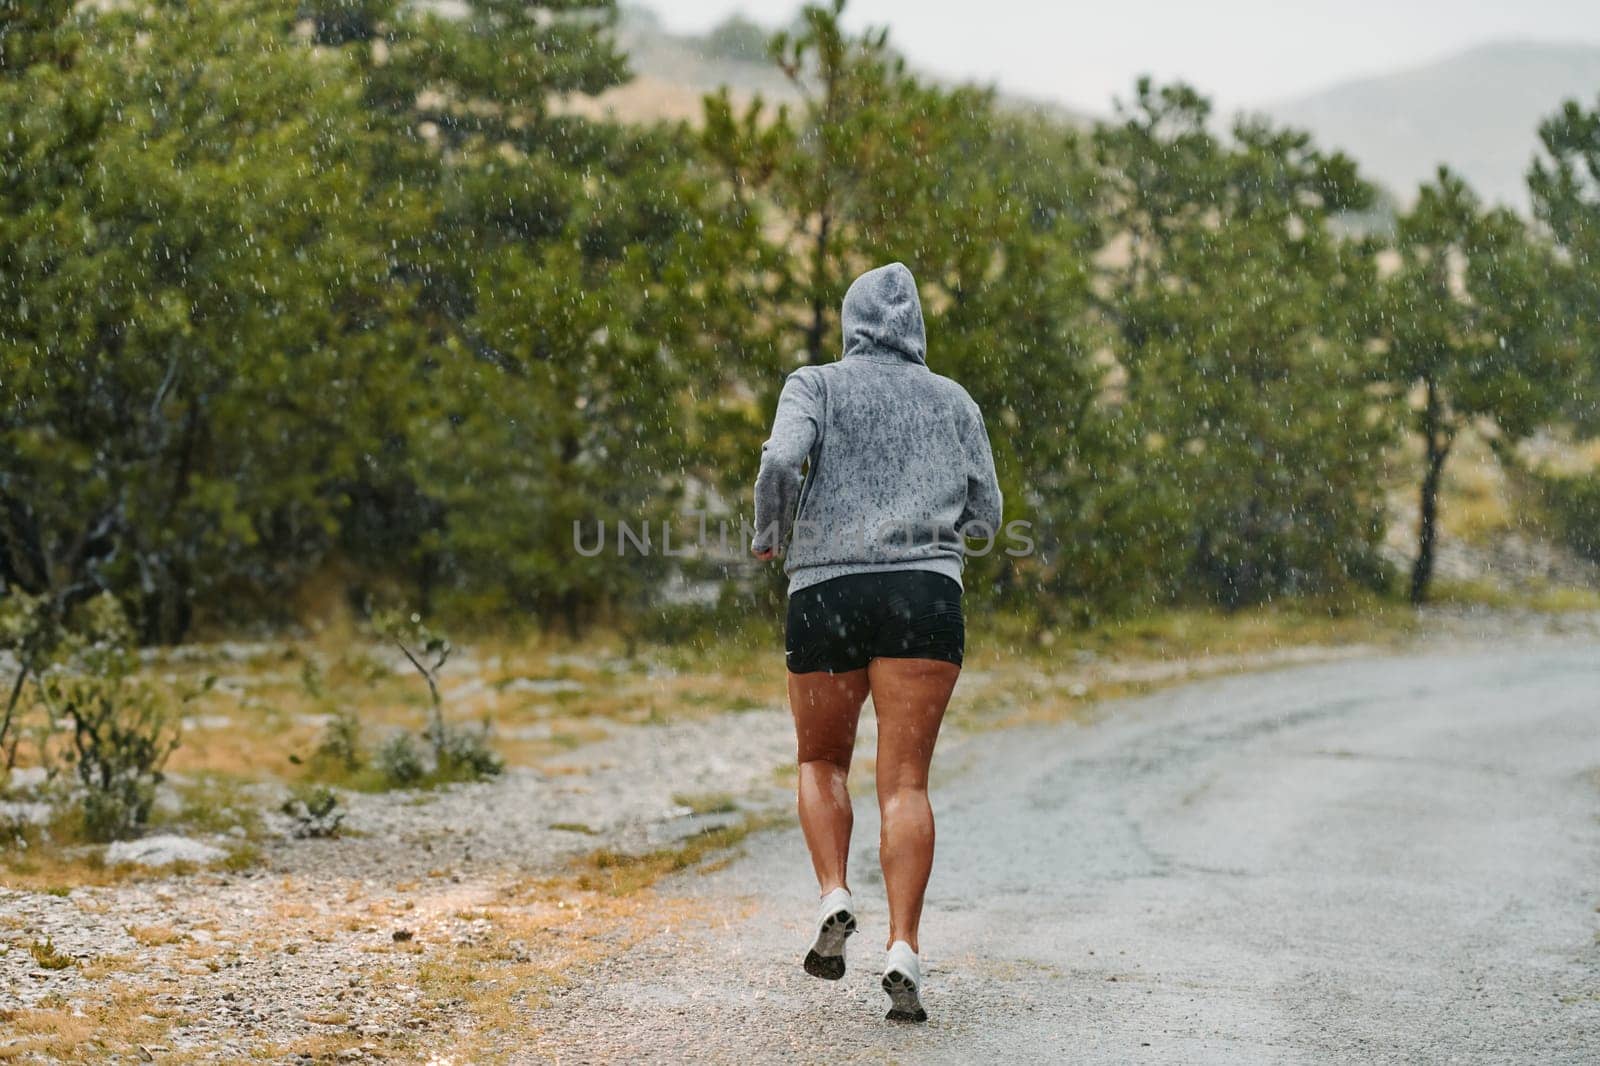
882	311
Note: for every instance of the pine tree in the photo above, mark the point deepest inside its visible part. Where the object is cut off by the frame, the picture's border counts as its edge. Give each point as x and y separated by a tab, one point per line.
1236	319
180	343
1471	336
1565	184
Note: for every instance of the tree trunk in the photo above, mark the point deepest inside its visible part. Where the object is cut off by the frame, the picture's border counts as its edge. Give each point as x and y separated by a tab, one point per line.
819	307
1438	449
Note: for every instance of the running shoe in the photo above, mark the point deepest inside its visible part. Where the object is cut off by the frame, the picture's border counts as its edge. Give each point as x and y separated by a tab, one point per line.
902	979
835	922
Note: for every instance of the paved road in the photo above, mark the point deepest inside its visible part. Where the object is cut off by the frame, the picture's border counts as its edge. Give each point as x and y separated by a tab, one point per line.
1394	859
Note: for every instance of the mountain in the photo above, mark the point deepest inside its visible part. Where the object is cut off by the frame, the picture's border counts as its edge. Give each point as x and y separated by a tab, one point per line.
1478	111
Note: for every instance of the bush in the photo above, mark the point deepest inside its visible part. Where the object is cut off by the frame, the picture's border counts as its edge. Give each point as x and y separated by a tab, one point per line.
339	750
400	761
29	631
122	733
315	810
458	754
465	755
1572	505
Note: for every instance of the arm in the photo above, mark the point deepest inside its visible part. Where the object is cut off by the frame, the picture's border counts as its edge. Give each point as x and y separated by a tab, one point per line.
794	430
983	487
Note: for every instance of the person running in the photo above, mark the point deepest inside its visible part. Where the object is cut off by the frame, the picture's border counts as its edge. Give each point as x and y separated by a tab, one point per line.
898	472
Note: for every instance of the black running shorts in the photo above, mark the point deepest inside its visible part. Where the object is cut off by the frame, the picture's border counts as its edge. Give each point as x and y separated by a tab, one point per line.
844	623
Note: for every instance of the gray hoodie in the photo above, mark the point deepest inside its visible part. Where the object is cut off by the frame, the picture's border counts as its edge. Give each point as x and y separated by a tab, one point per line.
899	458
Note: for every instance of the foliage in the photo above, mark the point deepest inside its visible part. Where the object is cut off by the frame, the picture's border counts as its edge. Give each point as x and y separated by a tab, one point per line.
339	747
399	759
315	812
459	754
736	38
121	730
1565	185
310	294
30	632
1572	504
48	957
1469	322
1252	446
465	755
182	328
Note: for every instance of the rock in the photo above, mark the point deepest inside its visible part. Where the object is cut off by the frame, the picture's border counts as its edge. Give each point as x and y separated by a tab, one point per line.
542	685
26	777
162	850
24	812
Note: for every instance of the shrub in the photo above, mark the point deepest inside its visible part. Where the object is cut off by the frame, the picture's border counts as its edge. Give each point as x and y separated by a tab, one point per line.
1572	505
48	957
465	755
315	810
29	631
736	38
458	754
339	750
400	761
122	733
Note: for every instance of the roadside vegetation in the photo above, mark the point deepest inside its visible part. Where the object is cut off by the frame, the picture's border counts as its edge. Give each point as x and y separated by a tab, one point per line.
511	321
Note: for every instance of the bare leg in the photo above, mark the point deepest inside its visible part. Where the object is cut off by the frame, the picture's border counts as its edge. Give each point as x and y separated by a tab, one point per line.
826	708
910	696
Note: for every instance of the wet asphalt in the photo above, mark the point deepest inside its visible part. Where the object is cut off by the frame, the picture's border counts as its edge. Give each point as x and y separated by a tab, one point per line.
1394	859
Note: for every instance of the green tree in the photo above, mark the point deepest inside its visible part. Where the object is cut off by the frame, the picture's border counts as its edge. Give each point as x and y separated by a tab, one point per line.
188	281
578	278
1236	320
1565	185
1470	334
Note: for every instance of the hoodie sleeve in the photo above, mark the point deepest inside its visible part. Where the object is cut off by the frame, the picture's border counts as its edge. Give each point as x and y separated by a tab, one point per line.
983	487
794	431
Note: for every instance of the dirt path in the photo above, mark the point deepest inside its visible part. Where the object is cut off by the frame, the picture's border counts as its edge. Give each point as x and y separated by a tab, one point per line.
1396	859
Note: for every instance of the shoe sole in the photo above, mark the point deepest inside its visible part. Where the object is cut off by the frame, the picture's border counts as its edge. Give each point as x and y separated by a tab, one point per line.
826	957
903	995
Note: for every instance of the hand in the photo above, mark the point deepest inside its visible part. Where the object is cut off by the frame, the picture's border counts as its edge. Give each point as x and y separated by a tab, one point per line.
764	554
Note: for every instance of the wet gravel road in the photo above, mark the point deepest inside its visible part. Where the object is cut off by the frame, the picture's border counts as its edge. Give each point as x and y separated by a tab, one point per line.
1393	859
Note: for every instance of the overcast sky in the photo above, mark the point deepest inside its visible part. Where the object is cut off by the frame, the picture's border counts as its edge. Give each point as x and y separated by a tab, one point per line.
1242	52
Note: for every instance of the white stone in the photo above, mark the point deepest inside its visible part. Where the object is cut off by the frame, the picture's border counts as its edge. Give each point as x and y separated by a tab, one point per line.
162	850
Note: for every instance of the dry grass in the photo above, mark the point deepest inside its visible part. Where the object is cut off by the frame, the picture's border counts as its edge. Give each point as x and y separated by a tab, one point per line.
618	874
92	1029
155	936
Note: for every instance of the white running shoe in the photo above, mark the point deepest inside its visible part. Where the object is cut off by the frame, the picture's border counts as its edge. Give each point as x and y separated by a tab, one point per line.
902	979
835	922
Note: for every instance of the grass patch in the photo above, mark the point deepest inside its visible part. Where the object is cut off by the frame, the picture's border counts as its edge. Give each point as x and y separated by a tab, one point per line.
96	1029
155	936
619	874
707	802
1548	599
47	957
1192	632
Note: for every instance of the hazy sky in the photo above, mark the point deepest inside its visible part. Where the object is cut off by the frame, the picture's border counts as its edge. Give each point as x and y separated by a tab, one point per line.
1242	52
